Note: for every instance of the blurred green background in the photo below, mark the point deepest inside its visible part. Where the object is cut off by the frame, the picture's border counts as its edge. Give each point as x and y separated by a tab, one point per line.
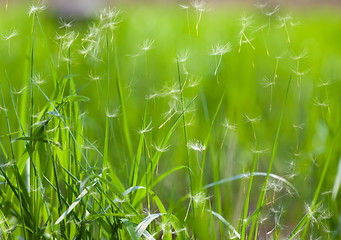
312	56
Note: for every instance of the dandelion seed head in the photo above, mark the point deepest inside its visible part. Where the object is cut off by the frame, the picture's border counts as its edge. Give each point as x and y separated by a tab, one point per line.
300	73
324	83
283	21
221	48
109	18
94	77
65	24
11	34
259	151
146	129
199	5
196	145
246	21
199	199
182	57
302	54
159	149
39	7
183	6
193	81
319	103
267	82
38	79
298	126
252	120
229	126
269	14
113	114
68	39
20	91
146	45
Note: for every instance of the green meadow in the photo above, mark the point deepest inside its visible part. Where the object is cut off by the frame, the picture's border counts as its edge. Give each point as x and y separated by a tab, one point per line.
170	122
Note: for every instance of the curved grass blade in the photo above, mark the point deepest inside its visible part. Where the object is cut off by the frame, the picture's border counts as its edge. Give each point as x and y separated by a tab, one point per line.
145	223
226	223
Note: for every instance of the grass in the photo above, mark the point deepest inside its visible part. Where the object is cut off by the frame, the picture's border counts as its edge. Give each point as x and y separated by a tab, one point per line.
160	124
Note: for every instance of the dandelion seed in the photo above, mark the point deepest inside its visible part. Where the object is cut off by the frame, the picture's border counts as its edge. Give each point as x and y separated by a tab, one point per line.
261	5
252	120
172	90
300	74
152	95
291	170
276	9
11	34
39	7
68	39
113	114
299	126
109	18
323	84
183	56
245	22
259	151
303	54
7	37
20	91
196	146
146	45
199	6
91	40
94	78
64	24
159	149
229	126
219	50
200	198
146	129
193	82
283	23
38	79
184	6
319	103
268	83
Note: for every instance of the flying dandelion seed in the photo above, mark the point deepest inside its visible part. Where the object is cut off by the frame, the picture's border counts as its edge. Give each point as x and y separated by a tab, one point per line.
159	149
65	24
113	114
283	23
196	146
199	6
245	22
7	37
38	79
146	129
11	34
219	50
146	45
68	39
39	7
